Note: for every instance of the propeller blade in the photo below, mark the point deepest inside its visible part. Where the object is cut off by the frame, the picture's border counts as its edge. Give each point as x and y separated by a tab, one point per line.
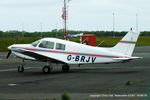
8	54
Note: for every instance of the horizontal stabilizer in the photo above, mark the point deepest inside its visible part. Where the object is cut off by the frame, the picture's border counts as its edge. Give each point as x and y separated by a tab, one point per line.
121	58
128	58
137	58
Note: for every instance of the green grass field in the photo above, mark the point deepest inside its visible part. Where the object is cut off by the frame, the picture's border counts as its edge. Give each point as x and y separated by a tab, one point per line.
108	41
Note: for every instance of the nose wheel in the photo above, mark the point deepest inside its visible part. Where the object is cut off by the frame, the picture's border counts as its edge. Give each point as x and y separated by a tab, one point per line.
20	68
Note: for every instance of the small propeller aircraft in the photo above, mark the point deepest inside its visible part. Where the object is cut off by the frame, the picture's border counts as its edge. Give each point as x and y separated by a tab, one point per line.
52	50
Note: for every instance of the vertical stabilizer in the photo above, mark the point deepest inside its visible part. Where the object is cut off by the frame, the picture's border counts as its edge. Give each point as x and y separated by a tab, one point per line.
127	44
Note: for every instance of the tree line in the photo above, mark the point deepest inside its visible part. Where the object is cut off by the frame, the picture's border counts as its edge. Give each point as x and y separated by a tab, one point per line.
58	33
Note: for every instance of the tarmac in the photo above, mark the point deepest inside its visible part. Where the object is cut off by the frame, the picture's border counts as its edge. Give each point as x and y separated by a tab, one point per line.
117	81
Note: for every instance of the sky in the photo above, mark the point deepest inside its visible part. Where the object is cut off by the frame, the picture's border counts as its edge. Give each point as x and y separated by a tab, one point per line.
84	15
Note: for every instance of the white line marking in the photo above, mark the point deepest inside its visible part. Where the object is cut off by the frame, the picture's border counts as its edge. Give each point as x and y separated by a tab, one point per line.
12	84
7	70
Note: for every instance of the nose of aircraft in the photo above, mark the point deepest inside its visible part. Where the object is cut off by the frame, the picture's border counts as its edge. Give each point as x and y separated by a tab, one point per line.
9	47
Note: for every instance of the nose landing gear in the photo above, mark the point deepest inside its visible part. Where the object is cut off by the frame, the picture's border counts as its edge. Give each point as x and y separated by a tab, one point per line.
21	67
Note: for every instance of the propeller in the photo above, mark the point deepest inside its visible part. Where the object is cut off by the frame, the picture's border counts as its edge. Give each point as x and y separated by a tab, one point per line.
9	52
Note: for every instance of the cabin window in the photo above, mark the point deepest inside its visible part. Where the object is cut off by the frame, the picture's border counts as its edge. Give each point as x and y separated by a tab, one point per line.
60	46
47	44
35	43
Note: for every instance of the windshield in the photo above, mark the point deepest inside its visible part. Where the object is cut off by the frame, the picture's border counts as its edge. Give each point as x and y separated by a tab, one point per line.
35	43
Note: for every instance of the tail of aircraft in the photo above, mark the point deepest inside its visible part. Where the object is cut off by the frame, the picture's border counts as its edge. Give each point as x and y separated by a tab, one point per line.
127	44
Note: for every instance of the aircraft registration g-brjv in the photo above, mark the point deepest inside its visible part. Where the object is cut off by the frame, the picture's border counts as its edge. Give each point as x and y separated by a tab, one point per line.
52	50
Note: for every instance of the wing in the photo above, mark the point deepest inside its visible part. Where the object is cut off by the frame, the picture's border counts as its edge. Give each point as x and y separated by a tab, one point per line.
40	57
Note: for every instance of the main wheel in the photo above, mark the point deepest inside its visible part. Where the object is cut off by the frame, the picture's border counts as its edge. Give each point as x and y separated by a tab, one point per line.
46	69
65	68
20	68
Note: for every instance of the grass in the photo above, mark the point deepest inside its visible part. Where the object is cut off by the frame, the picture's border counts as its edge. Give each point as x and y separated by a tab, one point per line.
108	41
5	42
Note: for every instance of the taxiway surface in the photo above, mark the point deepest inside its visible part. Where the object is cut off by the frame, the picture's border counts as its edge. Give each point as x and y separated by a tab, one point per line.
79	83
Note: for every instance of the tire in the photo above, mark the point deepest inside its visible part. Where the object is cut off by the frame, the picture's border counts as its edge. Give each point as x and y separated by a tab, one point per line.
65	68
46	69
20	68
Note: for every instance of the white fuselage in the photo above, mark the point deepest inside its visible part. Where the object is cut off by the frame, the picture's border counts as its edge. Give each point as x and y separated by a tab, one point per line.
74	53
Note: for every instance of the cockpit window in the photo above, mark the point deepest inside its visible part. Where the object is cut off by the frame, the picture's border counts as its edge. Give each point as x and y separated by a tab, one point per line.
47	44
42	44
35	43
60	46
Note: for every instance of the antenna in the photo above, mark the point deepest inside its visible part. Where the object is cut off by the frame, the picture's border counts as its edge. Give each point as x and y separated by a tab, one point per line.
56	30
113	25
41	24
65	17
23	29
137	22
